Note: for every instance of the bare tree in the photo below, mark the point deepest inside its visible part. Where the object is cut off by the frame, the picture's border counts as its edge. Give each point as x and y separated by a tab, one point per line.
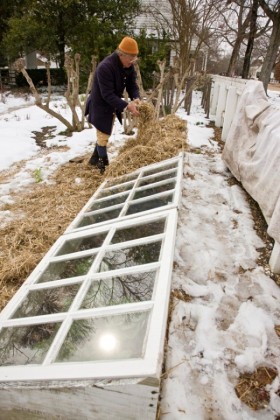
272	10
71	94
239	23
189	23
277	71
251	38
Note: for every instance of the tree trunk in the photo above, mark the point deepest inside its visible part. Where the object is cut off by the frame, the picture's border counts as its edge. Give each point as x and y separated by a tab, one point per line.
233	59
251	38
72	95
161	65
271	54
38	99
139	81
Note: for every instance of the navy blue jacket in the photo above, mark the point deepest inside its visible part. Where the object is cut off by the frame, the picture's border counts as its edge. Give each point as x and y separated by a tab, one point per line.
109	82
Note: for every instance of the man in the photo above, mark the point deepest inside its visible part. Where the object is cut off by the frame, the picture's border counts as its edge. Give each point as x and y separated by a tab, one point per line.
114	74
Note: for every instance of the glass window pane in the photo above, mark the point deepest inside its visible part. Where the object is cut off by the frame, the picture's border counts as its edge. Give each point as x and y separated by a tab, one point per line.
97	205
110	191
160	177
121	180
99	217
131	256
118	290
47	301
154	190
26	344
139	231
65	269
149	204
160	169
105	338
82	244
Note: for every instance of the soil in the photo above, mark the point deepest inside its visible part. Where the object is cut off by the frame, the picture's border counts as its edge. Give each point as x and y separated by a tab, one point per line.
45	134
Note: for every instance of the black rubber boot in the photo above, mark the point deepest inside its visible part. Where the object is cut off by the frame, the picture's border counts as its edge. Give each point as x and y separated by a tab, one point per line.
106	160
101	165
94	157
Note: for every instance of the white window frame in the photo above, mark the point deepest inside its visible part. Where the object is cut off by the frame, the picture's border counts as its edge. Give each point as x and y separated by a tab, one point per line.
129	201
150	364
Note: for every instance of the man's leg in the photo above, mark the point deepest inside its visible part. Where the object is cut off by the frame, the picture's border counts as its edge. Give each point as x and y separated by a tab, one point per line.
102	141
94	157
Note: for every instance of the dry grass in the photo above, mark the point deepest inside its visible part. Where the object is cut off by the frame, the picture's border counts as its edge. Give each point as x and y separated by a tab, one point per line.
251	388
180	294
156	140
43	213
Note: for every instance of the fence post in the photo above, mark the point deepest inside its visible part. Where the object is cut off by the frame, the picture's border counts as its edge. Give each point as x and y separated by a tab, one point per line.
230	108
221	105
274	261
215	97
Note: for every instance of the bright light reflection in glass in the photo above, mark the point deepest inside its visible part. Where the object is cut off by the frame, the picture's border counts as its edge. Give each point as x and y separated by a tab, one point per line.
108	342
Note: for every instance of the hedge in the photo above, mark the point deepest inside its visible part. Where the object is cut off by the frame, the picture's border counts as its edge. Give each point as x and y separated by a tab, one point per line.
39	77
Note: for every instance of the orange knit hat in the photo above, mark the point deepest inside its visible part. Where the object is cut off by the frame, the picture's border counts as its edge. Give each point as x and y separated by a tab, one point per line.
129	46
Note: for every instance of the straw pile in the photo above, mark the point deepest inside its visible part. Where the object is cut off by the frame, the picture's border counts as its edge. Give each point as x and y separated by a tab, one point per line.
40	217
43	214
156	140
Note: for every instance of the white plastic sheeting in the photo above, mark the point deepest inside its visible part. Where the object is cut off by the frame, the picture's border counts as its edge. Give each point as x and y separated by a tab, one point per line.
252	152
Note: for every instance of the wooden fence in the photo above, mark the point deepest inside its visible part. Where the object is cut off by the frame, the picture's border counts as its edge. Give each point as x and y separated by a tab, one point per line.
224	97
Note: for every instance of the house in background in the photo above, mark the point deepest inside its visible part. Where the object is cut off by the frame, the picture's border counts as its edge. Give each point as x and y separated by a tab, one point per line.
155	19
255	70
34	60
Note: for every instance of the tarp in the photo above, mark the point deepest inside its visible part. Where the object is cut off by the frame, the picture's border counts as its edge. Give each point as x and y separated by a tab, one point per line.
252	152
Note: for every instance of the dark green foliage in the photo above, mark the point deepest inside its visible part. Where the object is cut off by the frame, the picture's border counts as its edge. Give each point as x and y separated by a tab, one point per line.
151	50
39	77
90	27
7	10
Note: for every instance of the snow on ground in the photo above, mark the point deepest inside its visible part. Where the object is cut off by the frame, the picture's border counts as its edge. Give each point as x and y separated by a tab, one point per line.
227	327
274	96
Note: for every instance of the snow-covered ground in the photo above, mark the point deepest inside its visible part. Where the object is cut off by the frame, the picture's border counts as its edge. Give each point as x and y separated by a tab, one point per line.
227	326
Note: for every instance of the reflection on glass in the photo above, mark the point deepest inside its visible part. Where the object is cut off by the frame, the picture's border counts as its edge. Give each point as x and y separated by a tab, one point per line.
99	217
113	337
97	205
82	244
161	169
26	344
65	269
47	301
121	289
131	256
110	191
121	180
139	231
150	204
157	178
154	190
